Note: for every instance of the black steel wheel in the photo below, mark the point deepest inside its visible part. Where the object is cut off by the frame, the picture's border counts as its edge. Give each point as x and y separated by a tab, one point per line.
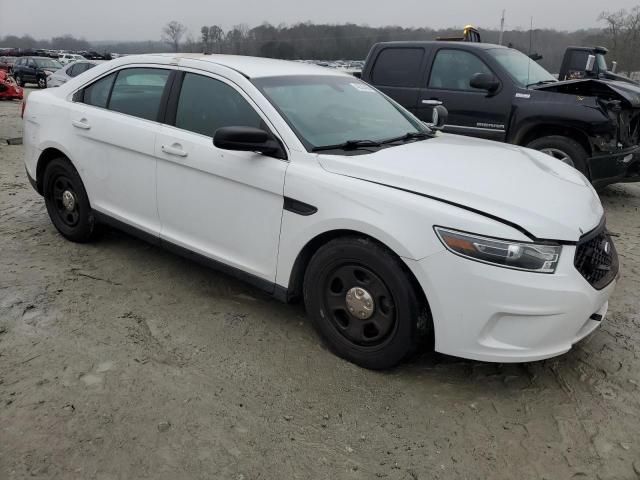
359	305
67	201
361	301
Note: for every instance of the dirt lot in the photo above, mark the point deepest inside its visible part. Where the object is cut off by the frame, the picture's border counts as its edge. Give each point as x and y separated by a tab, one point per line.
121	361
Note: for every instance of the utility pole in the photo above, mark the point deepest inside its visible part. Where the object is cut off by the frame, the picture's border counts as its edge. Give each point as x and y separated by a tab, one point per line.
501	28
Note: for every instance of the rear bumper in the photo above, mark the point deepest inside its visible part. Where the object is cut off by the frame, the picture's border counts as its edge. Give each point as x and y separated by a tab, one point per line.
620	166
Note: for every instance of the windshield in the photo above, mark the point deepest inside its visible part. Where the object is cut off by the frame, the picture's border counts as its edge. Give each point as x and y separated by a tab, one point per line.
522	69
332	110
47	63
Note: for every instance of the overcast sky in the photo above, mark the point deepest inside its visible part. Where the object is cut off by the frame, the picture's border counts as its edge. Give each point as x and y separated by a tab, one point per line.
143	19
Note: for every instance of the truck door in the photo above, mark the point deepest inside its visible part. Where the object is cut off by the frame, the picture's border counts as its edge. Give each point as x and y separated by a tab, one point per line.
472	112
397	71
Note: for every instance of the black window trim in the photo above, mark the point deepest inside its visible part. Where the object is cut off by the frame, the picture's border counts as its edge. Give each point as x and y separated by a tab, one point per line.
467	90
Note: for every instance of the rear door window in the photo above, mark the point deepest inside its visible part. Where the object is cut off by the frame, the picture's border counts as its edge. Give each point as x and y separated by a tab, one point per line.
453	69
138	92
206	104
398	67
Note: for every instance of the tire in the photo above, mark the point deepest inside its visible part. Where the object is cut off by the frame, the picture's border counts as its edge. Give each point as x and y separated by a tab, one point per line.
19	81
564	149
343	266
42	82
67	201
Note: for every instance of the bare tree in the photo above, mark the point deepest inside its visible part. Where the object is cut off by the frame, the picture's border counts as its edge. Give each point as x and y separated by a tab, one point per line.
623	33
211	38
172	33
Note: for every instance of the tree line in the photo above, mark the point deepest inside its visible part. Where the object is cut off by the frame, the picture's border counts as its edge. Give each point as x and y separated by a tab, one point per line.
620	33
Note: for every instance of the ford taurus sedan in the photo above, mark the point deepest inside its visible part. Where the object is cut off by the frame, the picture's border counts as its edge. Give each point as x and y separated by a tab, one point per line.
312	185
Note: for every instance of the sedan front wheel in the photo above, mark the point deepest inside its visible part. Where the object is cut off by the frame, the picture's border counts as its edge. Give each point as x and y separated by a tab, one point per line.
362	303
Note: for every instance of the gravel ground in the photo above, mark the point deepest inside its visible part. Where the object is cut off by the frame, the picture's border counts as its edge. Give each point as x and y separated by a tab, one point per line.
121	361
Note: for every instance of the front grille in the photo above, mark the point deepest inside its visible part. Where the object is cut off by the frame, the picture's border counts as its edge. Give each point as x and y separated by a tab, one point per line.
596	258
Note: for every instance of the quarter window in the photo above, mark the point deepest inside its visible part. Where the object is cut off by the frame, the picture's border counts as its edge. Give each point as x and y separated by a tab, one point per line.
453	69
138	92
206	104
97	94
398	67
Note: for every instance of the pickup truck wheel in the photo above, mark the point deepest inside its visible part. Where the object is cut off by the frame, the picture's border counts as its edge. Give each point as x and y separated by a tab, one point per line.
361	302
67	201
564	149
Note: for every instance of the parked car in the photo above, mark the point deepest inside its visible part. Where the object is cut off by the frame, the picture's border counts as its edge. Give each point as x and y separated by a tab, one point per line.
6	64
68	72
67	58
499	93
8	88
34	70
309	183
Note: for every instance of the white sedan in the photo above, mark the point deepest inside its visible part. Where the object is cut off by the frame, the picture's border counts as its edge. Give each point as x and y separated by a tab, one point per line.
69	71
311	184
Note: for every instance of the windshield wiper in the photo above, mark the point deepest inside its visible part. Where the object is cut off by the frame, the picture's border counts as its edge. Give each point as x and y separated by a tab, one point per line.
541	82
348	145
409	136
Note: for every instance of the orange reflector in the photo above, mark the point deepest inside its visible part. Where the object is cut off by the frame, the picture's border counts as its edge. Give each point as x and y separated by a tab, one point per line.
459	244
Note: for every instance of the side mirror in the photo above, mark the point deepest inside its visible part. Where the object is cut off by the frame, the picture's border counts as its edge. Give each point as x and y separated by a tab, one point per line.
614	67
248	139
484	81
439	117
591	63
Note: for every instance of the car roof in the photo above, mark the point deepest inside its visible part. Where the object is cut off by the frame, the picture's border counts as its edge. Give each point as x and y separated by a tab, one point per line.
475	45
252	67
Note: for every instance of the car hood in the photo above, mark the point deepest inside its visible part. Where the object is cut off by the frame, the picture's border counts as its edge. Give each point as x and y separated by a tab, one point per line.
536	192
622	90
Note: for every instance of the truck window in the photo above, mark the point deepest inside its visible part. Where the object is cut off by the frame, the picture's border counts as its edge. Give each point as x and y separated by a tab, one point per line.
398	67
453	69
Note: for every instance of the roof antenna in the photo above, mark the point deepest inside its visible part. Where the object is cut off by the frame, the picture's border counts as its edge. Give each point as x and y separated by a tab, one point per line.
530	47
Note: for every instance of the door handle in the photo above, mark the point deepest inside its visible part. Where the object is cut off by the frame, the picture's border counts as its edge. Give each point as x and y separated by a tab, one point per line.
175	149
433	102
83	124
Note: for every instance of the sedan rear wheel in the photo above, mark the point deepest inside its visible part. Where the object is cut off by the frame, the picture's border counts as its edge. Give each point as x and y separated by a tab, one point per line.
42	82
67	201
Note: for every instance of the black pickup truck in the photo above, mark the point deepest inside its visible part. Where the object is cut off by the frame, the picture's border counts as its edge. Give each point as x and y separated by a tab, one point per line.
500	94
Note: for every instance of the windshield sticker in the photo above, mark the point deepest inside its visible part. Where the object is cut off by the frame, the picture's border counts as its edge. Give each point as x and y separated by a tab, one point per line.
362	87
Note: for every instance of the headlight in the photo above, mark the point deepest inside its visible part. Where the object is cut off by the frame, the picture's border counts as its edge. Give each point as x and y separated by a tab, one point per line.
530	257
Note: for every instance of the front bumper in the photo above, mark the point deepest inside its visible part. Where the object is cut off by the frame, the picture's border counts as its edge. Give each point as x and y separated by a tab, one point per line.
493	314
619	166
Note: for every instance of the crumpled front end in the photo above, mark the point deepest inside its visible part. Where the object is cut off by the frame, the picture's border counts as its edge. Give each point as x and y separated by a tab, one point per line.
9	90
615	144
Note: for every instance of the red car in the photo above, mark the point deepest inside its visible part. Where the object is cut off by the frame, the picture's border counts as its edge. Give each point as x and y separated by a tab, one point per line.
8	88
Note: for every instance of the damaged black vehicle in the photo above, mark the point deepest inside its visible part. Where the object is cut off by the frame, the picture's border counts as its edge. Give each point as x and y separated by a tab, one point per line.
500	94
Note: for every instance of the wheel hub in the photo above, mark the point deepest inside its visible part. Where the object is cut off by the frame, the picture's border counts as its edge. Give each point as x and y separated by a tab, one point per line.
68	200
360	303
